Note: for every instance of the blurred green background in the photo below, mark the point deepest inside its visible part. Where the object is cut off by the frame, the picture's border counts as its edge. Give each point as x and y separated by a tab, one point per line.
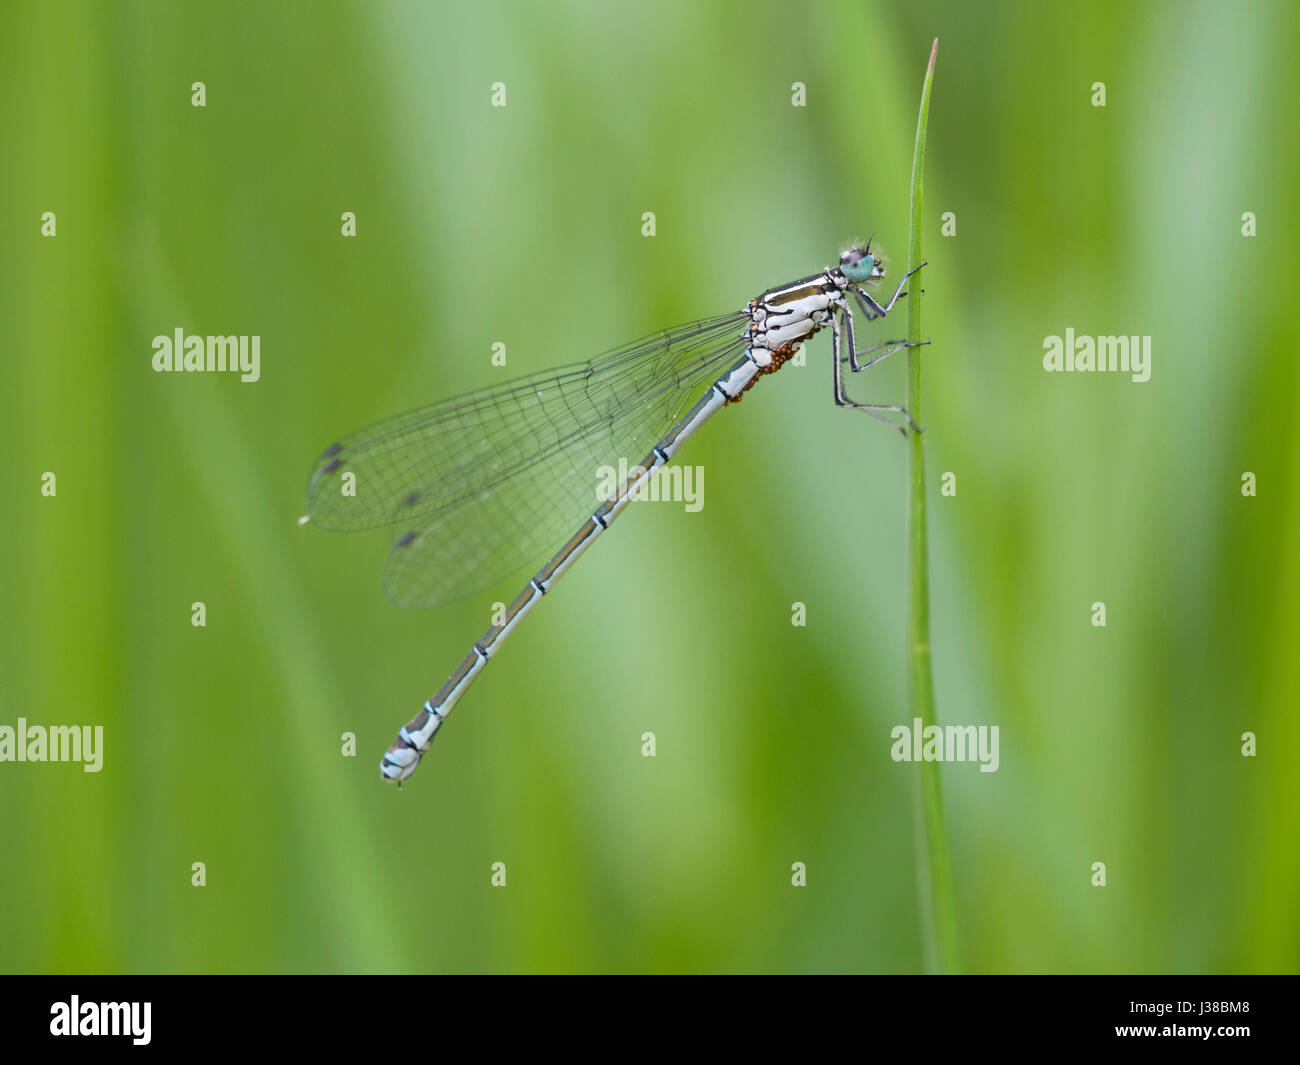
522	225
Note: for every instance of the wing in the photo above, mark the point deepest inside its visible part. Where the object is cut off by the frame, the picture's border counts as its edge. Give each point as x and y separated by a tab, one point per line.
487	481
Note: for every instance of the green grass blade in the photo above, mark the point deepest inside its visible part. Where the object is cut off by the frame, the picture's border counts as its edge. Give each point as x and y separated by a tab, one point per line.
937	905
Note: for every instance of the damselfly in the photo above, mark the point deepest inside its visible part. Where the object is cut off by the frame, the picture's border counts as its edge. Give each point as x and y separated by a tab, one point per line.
486	481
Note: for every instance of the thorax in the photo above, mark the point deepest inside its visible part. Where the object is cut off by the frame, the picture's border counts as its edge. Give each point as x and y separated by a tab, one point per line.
782	318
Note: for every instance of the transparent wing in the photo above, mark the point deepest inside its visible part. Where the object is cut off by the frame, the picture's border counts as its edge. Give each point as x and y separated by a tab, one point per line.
487	481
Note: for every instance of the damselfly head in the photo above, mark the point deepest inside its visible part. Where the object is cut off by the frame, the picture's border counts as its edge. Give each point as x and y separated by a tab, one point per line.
860	264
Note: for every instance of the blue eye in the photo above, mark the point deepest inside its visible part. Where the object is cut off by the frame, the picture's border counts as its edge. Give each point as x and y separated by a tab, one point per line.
860	270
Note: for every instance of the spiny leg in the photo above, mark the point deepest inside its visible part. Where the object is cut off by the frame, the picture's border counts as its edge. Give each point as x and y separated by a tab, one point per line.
837	371
871	308
898	345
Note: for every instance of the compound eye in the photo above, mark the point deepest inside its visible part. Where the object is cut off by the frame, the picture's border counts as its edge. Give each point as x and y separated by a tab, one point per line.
857	265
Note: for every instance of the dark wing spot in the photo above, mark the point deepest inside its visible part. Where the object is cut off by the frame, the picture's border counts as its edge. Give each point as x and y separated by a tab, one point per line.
337	464
411	500
332	450
406	540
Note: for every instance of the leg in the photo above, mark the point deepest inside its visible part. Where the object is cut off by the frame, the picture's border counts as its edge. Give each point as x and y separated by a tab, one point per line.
893	345
871	308
837	371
